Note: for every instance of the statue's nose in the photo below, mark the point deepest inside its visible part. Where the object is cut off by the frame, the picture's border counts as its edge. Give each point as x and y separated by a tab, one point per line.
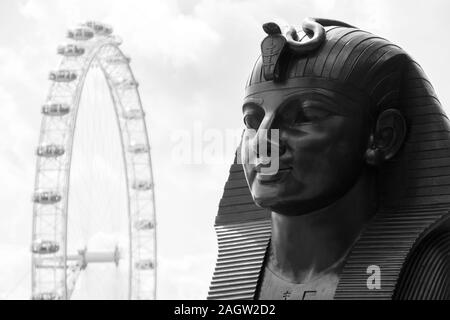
266	143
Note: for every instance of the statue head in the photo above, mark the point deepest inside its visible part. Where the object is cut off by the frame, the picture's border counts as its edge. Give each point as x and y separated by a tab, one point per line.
358	136
339	99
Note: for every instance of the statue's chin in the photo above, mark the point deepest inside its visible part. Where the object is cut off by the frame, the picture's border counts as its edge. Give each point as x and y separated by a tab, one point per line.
274	204
264	202
291	208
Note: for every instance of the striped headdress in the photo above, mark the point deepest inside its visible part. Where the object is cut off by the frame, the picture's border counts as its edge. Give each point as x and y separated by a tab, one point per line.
411	227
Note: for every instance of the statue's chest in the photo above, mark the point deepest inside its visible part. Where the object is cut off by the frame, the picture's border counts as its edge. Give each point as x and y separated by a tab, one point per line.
272	287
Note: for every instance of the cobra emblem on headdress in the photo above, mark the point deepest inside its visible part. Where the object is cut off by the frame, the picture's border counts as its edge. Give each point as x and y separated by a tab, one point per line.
276	47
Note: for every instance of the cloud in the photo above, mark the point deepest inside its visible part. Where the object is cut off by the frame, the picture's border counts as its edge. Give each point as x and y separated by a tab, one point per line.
15	170
15	278
186	277
31	9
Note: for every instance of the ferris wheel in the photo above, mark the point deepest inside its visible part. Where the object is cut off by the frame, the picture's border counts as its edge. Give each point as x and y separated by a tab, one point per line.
56	267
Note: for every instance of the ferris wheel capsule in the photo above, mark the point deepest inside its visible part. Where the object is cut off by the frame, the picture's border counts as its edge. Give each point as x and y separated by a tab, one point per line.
99	27
126	84
133	114
114	60
46	296
70	50
55	109
44	247
46	197
142	185
80	34
50	151
62	75
145	264
144	224
138	148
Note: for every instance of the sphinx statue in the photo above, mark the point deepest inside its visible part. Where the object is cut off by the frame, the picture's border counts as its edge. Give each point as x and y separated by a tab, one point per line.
358	207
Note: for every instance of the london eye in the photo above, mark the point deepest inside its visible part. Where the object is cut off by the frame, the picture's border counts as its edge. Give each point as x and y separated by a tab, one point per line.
60	254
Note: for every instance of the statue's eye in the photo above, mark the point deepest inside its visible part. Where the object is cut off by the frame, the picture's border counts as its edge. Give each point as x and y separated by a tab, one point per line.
311	114
252	121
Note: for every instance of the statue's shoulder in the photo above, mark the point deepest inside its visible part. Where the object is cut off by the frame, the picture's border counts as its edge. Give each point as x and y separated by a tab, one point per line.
426	272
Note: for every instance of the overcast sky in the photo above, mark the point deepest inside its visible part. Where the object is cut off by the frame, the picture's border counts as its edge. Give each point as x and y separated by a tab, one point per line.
192	59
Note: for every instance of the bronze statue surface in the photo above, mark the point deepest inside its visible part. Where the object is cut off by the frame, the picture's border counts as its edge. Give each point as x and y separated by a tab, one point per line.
363	180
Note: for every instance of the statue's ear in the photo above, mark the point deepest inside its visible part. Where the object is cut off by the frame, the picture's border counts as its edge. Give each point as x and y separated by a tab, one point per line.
387	138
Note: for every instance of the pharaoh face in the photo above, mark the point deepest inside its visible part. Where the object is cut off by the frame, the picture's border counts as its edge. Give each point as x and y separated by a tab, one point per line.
323	136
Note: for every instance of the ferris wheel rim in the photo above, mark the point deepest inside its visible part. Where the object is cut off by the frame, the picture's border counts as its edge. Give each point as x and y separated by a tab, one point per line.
75	99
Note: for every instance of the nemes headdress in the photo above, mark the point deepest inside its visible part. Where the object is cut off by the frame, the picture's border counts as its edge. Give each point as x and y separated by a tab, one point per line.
412	225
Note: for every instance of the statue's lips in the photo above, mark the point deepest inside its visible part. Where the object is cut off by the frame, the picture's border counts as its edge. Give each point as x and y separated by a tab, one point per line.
276	177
